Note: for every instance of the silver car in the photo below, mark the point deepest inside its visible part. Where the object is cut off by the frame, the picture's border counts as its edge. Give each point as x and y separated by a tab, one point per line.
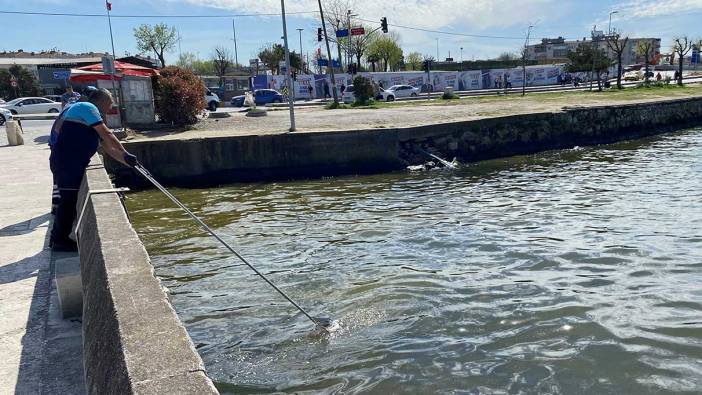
5	115
399	91
32	105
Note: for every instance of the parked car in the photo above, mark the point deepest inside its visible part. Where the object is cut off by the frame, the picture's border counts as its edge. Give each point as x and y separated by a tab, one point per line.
261	97
212	100
633	75
32	105
399	91
5	115
349	96
56	98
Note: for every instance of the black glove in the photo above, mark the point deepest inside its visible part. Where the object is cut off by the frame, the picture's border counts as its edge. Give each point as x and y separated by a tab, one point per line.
130	159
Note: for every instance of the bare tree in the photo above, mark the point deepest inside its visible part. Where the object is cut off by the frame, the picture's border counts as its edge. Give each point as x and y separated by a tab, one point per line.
681	46
360	44
645	50
336	17
617	44
222	61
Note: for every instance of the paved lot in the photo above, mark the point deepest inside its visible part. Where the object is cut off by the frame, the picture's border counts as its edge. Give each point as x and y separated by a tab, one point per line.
39	351
314	119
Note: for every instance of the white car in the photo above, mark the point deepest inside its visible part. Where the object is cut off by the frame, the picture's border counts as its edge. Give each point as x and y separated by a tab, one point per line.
348	97
399	91
5	115
212	100
32	105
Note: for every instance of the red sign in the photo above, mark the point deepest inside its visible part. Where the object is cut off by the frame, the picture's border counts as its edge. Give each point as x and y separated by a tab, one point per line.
358	31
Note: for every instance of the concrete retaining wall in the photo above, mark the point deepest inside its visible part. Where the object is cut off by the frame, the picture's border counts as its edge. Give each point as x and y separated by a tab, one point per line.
133	341
208	161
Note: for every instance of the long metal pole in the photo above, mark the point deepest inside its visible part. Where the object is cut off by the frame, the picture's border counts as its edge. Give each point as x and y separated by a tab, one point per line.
303	59
204	226
330	66
524	55
114	59
437	50
236	51
291	88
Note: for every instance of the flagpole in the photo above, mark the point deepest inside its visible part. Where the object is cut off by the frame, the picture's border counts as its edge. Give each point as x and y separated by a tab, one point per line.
108	6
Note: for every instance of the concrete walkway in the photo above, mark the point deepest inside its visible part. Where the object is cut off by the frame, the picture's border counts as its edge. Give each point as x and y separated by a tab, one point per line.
39	351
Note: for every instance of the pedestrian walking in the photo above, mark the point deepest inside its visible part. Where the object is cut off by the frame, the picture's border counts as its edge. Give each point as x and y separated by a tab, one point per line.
326	90
508	82
343	88
658	76
80	132
69	97
310	90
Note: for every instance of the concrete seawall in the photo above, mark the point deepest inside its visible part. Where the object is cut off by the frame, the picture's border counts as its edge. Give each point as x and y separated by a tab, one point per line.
209	161
133	341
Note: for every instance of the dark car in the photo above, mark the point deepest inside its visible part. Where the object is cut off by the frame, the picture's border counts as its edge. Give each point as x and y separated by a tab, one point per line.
261	97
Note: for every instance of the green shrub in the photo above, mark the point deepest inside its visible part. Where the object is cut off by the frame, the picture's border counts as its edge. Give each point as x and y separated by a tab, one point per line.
449	97
179	96
362	89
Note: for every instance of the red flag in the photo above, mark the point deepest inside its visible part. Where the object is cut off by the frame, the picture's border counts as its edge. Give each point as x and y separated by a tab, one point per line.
108	5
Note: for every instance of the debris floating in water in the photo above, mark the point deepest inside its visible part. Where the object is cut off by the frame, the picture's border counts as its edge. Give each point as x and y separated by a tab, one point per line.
330	326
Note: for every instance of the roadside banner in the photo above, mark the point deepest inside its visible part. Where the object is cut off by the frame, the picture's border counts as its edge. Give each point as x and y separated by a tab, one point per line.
437	81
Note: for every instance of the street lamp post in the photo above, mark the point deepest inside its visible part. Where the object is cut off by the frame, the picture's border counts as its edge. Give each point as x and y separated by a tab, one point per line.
524	56
437	49
291	91
609	29
236	52
461	58
301	58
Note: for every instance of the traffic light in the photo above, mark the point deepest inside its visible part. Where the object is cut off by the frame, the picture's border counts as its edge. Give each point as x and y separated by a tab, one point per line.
384	24
425	66
319	34
294	75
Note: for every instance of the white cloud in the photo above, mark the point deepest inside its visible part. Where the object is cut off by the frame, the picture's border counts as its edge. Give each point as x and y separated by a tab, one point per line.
635	9
486	17
465	15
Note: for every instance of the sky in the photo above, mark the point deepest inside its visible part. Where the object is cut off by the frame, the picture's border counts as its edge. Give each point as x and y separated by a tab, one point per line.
451	22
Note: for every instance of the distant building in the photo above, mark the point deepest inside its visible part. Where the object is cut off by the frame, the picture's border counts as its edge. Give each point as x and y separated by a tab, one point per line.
556	50
47	65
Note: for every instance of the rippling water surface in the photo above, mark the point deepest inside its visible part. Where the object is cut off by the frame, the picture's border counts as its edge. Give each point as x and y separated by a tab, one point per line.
574	272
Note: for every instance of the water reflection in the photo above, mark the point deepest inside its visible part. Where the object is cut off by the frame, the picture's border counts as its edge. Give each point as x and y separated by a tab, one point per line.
573	271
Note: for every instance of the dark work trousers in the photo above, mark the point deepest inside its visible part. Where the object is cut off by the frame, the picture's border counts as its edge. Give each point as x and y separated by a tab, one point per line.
55	196
65	215
68	184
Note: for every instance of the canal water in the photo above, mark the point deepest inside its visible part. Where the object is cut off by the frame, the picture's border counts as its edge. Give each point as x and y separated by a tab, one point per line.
574	272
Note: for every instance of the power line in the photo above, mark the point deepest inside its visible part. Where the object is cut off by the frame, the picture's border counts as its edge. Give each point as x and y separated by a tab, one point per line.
65	14
150	16
448	33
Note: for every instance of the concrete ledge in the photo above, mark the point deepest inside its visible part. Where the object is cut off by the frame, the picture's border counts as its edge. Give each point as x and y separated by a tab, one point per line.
132	338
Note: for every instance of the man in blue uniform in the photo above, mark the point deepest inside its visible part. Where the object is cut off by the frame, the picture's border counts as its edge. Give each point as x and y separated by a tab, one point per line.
80	130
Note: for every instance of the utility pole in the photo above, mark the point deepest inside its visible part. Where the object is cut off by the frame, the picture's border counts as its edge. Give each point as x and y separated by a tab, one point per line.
180	53
594	53
236	52
299	30
461	58
524	56
108	5
291	90
330	65
609	29
437	49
